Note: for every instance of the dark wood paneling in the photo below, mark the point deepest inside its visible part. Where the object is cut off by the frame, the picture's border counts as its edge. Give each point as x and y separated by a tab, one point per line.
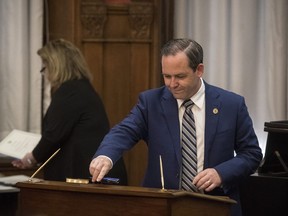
121	43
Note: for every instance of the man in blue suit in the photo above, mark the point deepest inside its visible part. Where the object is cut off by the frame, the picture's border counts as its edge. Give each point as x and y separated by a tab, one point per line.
227	146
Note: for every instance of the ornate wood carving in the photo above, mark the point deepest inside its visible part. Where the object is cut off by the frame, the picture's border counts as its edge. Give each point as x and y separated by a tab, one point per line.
120	40
93	18
140	18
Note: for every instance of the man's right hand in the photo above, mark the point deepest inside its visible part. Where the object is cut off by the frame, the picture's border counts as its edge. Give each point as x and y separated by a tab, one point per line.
99	167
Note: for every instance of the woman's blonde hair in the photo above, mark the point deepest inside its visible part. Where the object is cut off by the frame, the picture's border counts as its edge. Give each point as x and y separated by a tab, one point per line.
64	62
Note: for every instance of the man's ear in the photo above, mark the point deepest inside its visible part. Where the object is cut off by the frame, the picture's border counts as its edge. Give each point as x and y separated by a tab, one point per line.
200	70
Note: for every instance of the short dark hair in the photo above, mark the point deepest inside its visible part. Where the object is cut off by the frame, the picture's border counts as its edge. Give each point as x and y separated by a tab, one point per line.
191	48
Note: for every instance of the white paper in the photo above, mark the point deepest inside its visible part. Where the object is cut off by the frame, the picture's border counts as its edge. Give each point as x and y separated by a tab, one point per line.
18	143
12	180
7	189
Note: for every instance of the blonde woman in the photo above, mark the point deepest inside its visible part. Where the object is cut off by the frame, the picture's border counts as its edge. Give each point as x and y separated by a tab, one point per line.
75	121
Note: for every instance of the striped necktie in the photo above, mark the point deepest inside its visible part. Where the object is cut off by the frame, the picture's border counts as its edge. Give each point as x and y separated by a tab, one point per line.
189	148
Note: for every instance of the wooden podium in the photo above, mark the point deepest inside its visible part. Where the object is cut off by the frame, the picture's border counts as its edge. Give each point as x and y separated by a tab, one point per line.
61	198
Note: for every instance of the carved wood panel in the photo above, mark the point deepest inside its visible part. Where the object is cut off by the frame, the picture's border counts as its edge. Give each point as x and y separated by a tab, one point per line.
120	41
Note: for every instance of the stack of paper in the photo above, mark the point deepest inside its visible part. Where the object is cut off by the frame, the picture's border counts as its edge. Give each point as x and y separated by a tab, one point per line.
12	180
18	143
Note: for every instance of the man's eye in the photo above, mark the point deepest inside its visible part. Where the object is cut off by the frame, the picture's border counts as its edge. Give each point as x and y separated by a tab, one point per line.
167	76
180	76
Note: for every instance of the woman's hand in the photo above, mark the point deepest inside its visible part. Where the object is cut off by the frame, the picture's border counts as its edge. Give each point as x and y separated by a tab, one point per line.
28	161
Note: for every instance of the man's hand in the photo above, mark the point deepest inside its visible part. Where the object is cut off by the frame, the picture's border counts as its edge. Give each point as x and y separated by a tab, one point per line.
99	167
207	180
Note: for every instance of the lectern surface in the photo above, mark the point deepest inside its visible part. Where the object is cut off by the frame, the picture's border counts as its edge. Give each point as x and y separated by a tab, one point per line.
61	198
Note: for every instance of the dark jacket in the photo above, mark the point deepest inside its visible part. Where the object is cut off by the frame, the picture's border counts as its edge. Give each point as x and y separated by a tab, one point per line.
76	122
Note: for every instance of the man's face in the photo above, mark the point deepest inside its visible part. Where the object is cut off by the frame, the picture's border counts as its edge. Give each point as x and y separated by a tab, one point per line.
180	79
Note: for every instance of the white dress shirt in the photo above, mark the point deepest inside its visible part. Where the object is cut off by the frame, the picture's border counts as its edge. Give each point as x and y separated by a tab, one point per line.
199	115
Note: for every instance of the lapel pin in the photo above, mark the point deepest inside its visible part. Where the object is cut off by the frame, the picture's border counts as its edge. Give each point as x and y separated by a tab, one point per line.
215	111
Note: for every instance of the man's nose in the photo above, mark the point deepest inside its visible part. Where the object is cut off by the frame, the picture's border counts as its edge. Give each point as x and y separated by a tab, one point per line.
173	82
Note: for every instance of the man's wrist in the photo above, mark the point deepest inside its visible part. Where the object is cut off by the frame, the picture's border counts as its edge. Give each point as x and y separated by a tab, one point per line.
107	158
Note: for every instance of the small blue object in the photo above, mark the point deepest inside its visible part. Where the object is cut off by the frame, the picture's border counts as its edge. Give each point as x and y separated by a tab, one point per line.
107	180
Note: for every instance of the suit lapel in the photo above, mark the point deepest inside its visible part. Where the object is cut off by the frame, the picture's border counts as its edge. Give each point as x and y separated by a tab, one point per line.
170	110
213	107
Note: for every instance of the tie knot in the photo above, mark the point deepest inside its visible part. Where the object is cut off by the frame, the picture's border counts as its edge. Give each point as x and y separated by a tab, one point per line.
188	103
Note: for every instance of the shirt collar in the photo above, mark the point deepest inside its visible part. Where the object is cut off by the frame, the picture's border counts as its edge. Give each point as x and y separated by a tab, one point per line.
197	98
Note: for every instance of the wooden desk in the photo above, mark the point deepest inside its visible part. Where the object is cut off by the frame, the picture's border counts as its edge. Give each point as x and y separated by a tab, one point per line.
61	198
9	198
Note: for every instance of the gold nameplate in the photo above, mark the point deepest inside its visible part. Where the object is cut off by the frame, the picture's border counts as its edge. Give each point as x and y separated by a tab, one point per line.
81	181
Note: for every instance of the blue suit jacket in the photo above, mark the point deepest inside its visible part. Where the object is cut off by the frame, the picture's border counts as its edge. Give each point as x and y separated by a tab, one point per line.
155	120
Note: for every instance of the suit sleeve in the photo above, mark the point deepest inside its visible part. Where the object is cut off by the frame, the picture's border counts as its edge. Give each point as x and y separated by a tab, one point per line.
247	151
127	133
